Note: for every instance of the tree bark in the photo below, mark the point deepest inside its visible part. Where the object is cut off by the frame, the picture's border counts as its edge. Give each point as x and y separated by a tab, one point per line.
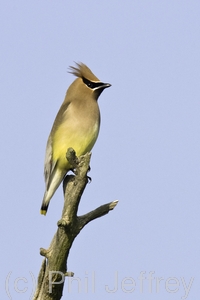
54	266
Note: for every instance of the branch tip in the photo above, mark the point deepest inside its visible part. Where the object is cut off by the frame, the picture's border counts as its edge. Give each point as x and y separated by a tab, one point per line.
69	274
62	223
43	252
72	158
113	204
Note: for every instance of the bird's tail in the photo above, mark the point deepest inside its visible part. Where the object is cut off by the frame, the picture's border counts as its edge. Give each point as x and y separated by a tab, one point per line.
45	204
55	182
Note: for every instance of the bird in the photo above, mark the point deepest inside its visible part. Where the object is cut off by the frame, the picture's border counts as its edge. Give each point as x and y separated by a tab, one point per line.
76	126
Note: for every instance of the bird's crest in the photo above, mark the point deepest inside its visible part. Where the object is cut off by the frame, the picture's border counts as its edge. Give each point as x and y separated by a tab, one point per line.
83	71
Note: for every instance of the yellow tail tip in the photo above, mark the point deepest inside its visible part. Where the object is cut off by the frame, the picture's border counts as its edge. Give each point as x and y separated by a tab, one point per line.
43	212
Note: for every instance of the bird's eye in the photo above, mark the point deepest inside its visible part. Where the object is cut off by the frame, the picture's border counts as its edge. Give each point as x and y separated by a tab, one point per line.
92	85
88	83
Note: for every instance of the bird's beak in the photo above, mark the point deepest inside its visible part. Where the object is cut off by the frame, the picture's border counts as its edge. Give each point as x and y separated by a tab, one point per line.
102	86
106	85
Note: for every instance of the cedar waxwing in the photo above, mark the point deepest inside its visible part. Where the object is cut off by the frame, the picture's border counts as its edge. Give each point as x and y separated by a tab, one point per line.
76	125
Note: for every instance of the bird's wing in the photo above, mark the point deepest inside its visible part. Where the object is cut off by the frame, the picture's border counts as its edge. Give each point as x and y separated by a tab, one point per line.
49	164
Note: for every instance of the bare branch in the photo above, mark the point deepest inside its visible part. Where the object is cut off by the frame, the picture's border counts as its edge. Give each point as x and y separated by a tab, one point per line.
54	267
97	213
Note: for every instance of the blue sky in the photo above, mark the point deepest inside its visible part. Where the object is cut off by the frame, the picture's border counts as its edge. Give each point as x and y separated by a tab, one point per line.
147	155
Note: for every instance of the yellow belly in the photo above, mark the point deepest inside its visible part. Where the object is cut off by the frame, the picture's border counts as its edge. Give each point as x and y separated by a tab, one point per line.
80	139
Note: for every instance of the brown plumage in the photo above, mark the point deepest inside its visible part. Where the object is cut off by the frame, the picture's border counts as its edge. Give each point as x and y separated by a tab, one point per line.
83	71
76	125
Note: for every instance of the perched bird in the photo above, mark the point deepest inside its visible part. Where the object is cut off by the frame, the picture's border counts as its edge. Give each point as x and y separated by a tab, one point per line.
76	125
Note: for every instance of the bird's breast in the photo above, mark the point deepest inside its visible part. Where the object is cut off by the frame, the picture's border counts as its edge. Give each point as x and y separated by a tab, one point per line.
79	130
